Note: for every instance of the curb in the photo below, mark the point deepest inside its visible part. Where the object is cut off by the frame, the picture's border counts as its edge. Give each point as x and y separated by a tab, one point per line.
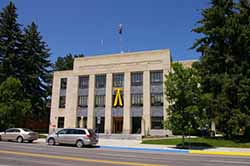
219	153
169	150
225	153
145	149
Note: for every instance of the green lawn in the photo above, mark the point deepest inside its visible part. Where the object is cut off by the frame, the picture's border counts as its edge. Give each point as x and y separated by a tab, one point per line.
205	142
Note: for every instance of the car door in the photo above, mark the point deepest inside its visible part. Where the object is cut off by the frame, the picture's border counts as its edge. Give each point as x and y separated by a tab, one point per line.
70	136
15	134
60	136
7	134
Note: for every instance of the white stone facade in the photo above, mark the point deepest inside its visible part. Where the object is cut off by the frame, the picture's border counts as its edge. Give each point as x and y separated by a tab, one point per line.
111	119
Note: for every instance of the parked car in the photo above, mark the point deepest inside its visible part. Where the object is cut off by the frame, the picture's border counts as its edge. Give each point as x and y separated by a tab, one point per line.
18	134
73	136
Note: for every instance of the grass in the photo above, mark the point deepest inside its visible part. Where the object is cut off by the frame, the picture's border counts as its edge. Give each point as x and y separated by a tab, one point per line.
202	142
42	136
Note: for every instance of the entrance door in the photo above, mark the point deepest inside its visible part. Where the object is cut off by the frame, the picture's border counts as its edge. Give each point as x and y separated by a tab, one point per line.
117	124
136	125
99	124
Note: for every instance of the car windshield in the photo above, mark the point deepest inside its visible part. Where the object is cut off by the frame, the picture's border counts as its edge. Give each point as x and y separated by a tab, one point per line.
27	130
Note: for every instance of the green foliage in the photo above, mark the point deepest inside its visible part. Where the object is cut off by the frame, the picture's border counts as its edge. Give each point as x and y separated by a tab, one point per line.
25	57
183	94
202	142
10	43
13	105
35	67
65	63
224	65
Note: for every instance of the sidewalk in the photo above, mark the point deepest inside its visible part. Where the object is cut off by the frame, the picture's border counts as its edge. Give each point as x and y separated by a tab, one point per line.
136	145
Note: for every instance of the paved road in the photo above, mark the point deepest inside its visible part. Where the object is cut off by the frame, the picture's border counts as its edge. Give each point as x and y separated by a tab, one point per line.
26	154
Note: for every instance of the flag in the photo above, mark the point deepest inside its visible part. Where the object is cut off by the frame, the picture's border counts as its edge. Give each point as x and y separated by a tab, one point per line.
120	29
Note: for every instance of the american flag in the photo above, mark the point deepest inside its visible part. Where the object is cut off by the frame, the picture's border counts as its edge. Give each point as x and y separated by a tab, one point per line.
120	29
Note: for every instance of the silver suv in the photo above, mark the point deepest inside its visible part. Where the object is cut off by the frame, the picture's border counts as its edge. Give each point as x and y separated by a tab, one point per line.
73	136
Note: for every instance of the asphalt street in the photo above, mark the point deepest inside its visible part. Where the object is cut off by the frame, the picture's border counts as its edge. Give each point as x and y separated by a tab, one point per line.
35	154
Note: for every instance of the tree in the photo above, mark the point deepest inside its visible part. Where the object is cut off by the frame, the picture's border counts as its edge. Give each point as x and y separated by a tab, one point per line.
224	64
13	105
35	66
65	63
183	94
10	43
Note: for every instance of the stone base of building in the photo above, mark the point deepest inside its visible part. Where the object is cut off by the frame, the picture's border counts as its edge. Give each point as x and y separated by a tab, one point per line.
160	132
120	136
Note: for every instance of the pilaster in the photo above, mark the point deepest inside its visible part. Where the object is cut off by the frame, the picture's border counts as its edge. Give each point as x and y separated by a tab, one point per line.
108	105
146	119
91	98
126	109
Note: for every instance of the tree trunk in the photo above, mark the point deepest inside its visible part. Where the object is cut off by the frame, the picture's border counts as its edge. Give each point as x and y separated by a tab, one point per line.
183	139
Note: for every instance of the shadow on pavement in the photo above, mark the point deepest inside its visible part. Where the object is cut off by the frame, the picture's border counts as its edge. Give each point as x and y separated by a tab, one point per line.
194	146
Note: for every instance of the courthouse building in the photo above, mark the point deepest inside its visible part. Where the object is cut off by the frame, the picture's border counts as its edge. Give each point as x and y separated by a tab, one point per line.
118	93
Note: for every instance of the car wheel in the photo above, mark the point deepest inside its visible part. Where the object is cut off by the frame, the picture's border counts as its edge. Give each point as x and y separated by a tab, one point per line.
30	141
79	143
51	141
20	139
0	138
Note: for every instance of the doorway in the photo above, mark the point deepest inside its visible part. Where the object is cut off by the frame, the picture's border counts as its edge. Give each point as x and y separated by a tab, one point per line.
117	124
99	124
136	125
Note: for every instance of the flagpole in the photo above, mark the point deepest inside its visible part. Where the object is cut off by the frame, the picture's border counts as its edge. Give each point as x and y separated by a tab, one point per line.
120	29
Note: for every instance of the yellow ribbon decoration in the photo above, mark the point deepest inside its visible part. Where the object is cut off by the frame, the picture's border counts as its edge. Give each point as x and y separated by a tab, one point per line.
118	97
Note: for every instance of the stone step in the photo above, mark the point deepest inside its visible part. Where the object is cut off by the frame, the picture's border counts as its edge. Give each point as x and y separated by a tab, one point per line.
120	136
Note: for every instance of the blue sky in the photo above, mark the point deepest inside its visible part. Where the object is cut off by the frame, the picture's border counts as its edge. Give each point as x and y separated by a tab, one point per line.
80	26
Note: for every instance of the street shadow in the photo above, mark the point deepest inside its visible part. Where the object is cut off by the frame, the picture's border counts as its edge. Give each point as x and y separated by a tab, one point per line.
194	146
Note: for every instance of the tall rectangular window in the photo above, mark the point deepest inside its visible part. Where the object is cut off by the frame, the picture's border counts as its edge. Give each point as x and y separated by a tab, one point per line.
136	79
100	81
156	77
156	99
63	83
60	122
118	79
136	100
83	82
100	101
157	122
62	101
83	101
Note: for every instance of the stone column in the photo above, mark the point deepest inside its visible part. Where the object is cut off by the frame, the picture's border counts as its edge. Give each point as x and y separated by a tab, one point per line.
146	119
126	109
54	103
91	99
71	101
108	105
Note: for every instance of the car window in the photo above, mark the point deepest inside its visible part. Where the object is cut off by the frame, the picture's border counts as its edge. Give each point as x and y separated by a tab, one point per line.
79	132
62	131
91	132
9	130
27	130
16	131
70	131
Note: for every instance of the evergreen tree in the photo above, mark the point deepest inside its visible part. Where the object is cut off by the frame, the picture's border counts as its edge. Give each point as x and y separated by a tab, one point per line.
224	64
65	63
35	66
10	43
